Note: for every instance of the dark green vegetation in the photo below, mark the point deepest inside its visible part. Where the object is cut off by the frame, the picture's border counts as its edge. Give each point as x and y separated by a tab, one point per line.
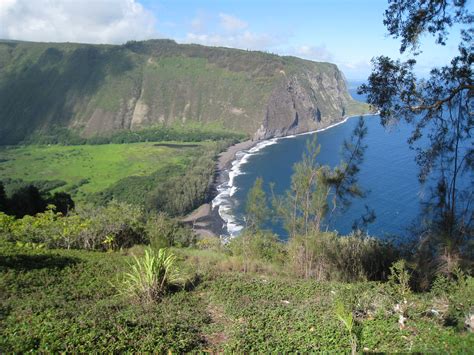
29	200
319	291
67	92
440	109
188	133
150	175
70	283
64	300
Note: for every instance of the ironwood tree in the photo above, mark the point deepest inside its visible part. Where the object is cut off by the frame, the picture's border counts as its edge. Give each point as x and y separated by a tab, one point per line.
440	108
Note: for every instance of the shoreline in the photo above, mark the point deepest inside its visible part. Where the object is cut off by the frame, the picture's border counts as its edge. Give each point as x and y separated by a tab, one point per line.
206	220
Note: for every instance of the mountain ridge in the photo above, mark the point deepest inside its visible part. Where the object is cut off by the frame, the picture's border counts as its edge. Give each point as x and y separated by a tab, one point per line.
99	89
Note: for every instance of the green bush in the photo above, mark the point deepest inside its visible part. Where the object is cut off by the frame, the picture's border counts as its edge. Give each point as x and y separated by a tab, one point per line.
112	227
163	232
333	257
453	298
117	225
49	228
261	246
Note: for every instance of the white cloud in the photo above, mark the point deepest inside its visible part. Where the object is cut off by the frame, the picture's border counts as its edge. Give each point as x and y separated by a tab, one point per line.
317	53
231	23
355	70
93	21
243	40
228	31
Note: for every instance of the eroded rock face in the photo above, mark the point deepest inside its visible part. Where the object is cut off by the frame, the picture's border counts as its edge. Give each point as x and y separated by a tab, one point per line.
95	90
305	102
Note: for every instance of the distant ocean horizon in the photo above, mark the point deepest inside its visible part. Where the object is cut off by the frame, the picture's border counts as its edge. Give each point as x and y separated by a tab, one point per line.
388	175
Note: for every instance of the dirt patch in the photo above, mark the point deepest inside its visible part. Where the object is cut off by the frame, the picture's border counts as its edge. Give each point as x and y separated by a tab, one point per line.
178	146
217	334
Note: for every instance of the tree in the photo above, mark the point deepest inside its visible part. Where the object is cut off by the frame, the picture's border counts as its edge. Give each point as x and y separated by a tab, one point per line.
3	198
256	209
318	192
62	201
27	201
440	108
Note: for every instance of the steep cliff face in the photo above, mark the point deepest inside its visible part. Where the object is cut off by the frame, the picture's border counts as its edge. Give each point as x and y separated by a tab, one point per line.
95	90
307	100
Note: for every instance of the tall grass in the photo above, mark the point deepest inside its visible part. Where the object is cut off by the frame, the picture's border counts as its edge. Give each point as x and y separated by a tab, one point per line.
348	259
151	276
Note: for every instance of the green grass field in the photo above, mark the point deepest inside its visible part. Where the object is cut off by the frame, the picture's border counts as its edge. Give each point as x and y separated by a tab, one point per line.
101	165
65	301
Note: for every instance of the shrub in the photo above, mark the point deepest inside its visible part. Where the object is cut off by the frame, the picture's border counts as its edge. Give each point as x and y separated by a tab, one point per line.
163	232
150	276
209	243
347	319
332	257
6	225
454	298
399	289
117	225
259	246
49	228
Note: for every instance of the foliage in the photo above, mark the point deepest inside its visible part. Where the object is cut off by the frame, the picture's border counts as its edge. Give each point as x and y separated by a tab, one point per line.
159	133
163	232
114	226
259	246
399	289
29	200
440	110
453	299
117	225
26	201
6	225
317	192
344	258
151	276
347	319
63	300
256	209
183	193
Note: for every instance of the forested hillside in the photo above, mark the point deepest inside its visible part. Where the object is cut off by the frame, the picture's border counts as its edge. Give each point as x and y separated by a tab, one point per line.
93	90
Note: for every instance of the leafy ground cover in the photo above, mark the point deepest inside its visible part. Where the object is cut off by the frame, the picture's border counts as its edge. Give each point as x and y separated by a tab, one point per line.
88	169
67	300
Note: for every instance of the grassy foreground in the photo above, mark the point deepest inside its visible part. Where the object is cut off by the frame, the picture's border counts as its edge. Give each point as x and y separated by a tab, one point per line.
65	300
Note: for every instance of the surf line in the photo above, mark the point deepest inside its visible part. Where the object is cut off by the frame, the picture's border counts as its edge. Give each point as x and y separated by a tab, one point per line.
224	201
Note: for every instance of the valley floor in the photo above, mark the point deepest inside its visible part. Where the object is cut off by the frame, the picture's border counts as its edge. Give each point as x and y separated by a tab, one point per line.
65	300
88	169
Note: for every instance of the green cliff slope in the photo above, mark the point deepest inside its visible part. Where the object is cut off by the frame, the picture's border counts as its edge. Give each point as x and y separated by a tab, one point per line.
98	89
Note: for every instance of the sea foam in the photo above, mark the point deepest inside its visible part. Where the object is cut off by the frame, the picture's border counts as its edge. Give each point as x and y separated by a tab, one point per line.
224	201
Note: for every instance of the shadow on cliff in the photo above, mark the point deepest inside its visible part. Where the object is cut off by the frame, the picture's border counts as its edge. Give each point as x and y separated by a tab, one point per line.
42	93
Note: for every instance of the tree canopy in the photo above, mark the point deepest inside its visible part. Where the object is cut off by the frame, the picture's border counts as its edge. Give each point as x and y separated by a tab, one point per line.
440	108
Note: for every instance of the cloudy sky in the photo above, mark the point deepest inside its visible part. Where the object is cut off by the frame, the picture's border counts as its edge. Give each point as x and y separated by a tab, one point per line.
346	32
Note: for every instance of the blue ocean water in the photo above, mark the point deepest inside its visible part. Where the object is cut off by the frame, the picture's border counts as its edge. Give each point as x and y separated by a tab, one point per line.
388	173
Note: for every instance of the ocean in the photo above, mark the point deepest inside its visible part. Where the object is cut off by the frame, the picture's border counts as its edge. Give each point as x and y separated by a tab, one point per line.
388	175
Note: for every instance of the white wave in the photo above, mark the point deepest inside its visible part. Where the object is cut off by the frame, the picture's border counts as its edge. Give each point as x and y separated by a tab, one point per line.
224	201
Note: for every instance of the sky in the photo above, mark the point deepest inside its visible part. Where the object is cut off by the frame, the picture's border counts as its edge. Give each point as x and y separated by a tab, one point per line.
345	32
